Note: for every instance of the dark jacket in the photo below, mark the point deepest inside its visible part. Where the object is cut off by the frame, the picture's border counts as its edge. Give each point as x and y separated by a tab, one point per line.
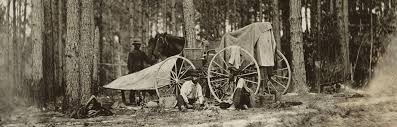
136	60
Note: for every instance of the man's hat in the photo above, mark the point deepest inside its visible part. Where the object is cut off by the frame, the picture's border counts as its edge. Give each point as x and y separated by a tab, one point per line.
136	41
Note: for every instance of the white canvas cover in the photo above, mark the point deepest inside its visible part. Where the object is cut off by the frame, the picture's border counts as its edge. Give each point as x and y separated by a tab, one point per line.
144	79
256	38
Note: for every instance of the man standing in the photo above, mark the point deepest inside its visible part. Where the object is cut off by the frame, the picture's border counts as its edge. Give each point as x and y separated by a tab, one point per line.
190	93
135	63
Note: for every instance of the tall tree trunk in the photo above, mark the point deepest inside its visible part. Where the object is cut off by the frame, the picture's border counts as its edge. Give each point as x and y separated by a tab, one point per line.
188	11
95	62
54	49
86	51
276	23
139	19
342	23
71	54
48	61
14	48
298	63
260	9
164	14
132	21
316	34
173	17
8	50
25	87
331	6
61	45
37	56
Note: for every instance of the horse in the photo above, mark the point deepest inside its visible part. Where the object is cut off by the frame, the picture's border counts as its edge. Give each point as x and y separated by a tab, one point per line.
165	45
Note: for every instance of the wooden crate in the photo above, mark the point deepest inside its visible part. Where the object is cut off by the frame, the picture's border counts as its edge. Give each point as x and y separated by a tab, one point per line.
194	55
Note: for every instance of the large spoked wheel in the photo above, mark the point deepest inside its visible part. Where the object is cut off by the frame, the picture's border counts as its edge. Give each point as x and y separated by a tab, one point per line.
222	75
169	82
281	77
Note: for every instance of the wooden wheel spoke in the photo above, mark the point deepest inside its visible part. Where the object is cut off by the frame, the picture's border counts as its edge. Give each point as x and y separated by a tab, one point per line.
251	81
279	83
184	72
180	69
165	79
281	59
252	73
219	80
282	69
248	65
220	73
279	76
221	67
170	90
223	60
274	87
174	75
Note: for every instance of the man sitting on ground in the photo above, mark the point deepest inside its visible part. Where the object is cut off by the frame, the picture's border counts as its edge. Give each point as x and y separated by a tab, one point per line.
241	96
190	93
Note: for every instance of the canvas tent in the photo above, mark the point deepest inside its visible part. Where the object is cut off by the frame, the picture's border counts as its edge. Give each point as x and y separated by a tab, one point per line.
144	79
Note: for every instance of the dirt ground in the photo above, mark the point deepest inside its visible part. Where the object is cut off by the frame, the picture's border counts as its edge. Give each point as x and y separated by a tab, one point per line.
317	110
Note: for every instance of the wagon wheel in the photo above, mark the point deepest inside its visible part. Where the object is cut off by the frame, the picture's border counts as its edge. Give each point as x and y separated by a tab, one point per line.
281	77
222	77
172	80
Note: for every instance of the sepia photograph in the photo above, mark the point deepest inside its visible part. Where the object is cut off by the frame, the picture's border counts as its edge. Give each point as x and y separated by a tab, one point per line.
198	63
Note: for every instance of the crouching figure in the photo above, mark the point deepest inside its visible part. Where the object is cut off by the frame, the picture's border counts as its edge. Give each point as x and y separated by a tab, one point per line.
190	93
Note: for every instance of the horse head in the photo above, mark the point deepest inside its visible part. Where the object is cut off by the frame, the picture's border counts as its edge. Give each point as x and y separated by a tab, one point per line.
164	45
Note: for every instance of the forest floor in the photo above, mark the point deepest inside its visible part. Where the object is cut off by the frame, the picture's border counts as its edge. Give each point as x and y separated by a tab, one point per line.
343	109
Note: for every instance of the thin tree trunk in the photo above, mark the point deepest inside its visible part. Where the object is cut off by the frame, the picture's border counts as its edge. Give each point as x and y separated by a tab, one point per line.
86	51
173	17
188	11
164	14
342	23
25	87
37	56
71	55
8	49
331	6
132	23
95	63
54	48
276	23
14	49
61	44
298	63
48	53
261	10
139	16
316	32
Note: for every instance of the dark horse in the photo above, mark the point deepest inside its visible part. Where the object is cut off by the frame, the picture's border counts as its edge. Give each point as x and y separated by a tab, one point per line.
165	45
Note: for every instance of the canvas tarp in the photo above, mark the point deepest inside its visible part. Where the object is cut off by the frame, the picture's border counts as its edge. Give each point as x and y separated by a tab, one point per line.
256	38
144	79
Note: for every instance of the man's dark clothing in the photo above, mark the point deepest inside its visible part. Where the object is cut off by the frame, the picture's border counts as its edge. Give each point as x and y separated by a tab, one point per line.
136	60
181	102
135	63
241	97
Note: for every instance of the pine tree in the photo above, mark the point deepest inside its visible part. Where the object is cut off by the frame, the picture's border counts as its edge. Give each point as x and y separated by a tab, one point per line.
188	11
71	54
298	63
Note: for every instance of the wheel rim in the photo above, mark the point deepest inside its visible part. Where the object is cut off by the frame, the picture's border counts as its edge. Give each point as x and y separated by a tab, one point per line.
221	79
176	76
281	78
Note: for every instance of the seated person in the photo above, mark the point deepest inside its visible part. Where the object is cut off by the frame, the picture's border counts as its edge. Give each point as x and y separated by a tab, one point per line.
190	93
241	96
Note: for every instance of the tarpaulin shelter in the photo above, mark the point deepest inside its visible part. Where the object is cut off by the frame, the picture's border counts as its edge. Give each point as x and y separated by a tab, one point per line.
144	79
